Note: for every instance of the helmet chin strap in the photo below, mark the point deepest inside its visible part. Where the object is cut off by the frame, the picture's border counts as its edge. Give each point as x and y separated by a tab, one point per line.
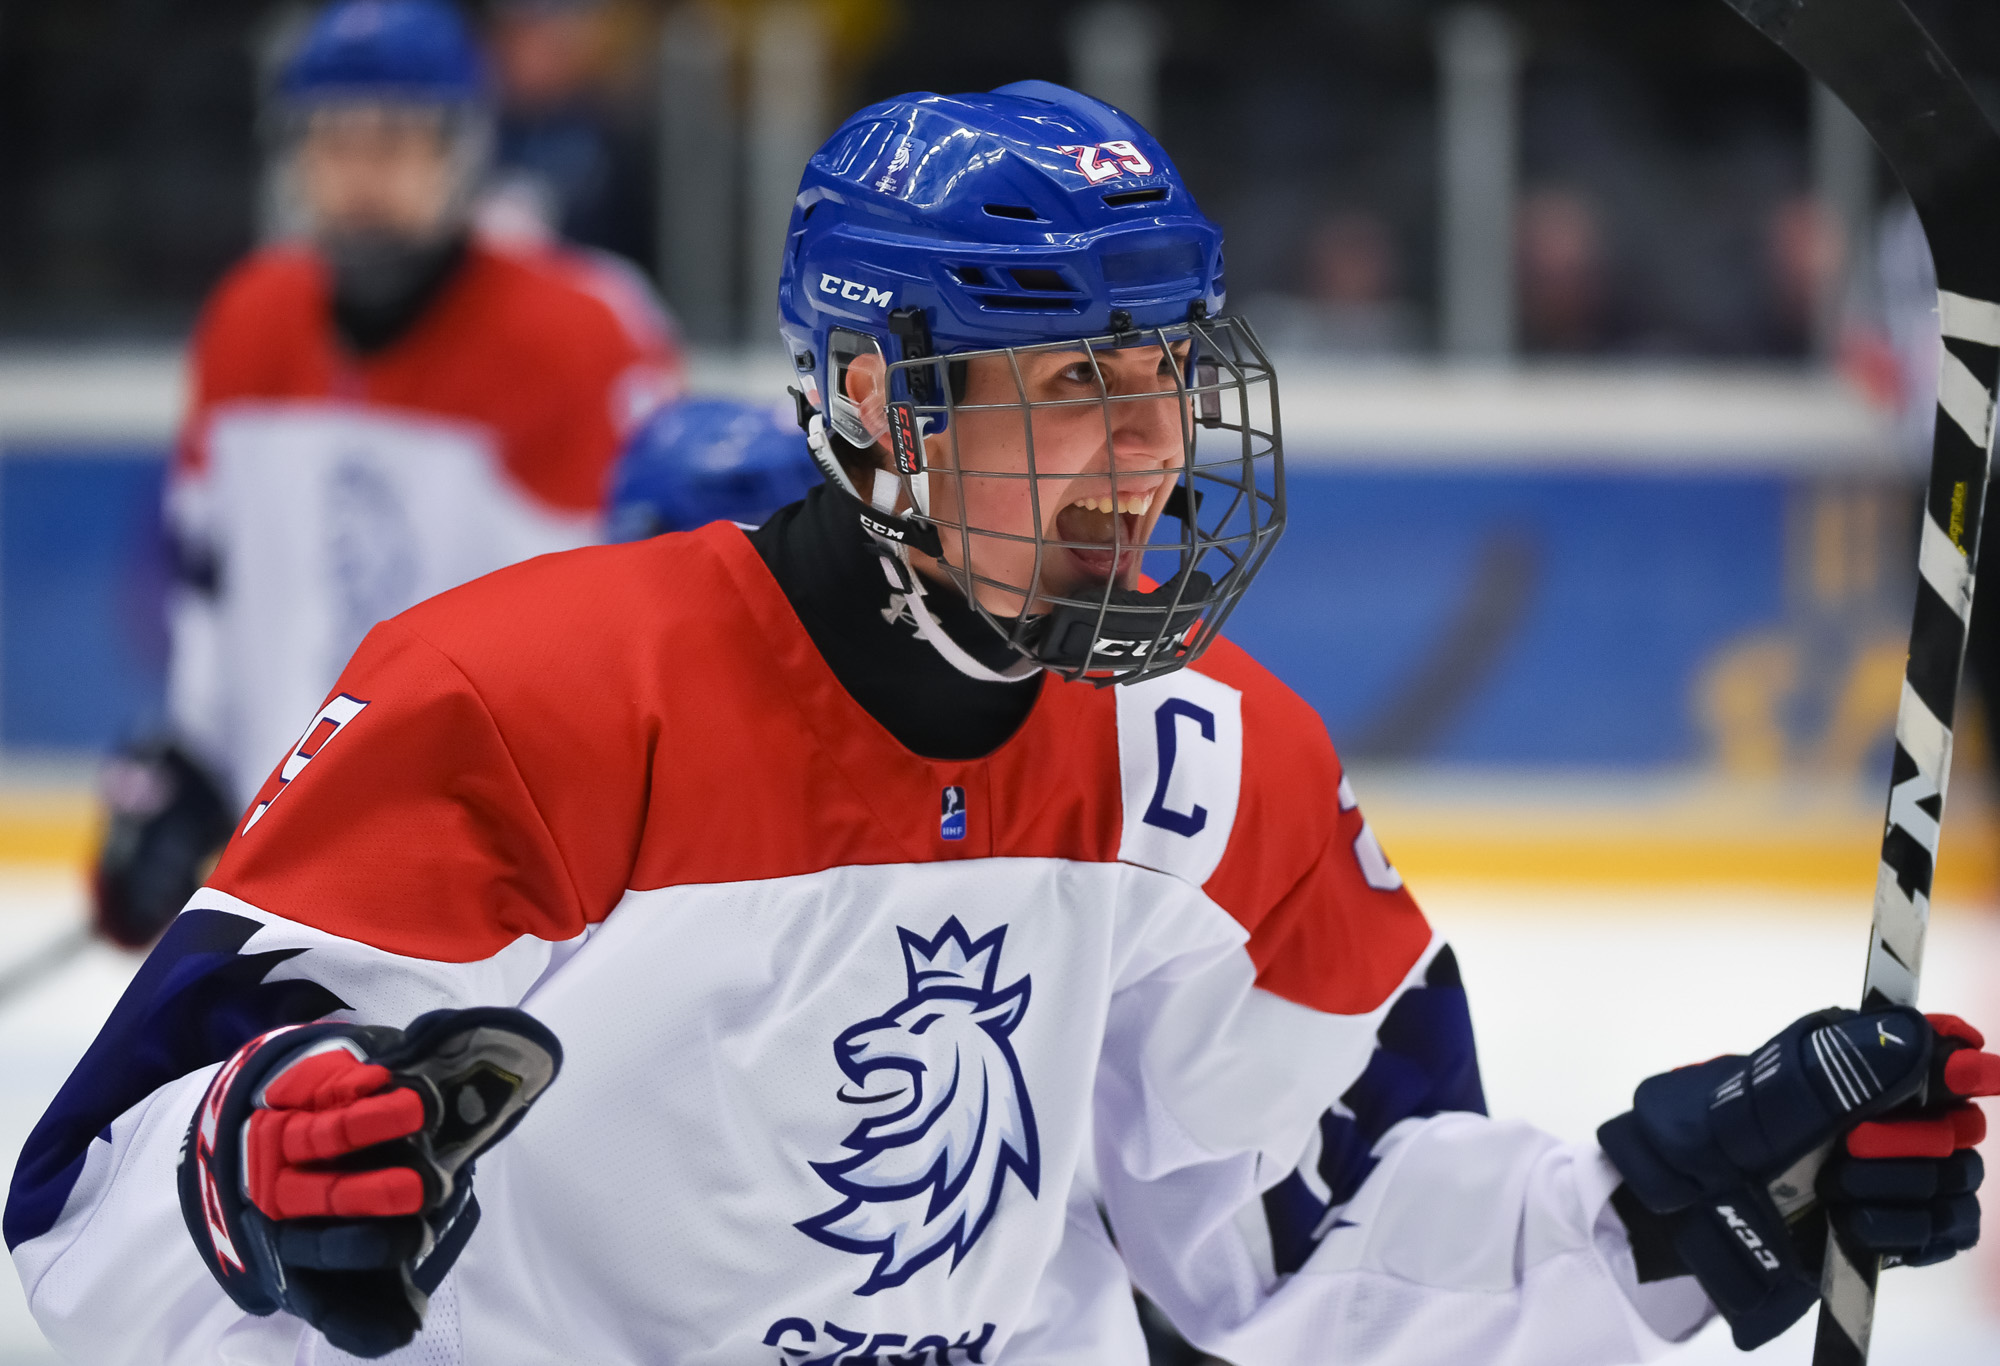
896	567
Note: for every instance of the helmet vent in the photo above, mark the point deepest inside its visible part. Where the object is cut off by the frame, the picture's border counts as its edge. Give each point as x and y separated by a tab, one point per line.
1019	289
1124	197
1030	303
1050	281
1020	211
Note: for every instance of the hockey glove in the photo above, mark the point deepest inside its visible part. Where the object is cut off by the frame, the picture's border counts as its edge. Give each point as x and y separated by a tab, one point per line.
1731	1166
328	1169
166	821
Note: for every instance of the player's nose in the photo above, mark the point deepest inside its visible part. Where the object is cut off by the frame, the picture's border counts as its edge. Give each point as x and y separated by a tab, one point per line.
1145	417
1145	434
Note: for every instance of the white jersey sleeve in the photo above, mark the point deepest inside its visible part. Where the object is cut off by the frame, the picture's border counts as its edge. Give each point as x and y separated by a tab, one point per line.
1410	1230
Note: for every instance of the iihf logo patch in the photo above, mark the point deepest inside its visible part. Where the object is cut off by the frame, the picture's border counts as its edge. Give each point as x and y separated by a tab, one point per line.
951	820
947	1112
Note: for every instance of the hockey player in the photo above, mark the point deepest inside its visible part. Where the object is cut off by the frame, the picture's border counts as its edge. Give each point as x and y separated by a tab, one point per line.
702	460
860	869
381	410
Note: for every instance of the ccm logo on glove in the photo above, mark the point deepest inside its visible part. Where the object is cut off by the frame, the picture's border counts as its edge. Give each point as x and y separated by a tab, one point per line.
1765	1257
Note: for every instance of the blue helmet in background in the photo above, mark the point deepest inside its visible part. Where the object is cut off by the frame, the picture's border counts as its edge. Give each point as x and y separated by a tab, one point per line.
943	223
406	51
704	460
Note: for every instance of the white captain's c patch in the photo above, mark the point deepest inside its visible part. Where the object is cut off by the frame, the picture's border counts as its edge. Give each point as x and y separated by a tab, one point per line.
1180	758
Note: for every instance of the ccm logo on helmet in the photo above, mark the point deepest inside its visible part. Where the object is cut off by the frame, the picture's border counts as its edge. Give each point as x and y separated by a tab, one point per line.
854	291
1108	160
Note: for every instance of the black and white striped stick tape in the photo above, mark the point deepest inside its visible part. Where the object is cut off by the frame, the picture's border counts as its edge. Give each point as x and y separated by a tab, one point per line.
1879	60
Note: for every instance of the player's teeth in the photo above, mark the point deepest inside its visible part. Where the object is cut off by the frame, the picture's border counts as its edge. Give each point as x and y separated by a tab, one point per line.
1134	503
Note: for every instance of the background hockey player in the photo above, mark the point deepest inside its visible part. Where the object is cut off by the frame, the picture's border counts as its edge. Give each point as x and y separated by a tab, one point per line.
853	899
381	410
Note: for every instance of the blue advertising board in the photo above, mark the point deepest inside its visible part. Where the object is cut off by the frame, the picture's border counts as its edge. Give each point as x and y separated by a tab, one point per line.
1503	616
83	572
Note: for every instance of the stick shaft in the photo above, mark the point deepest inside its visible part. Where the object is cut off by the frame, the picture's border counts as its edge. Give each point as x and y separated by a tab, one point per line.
1947	555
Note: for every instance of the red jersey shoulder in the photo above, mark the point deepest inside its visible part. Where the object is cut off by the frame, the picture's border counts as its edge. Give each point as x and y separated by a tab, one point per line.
261	334
1284	739
267	293
1285	808
622	288
540	306
1331	924
516	344
579	604
483	767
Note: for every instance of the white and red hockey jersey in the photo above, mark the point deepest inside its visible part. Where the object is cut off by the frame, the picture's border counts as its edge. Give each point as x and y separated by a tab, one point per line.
844	1026
316	493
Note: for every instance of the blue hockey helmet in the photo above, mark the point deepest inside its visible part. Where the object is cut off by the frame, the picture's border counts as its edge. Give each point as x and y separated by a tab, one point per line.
408	51
704	460
931	230
964	222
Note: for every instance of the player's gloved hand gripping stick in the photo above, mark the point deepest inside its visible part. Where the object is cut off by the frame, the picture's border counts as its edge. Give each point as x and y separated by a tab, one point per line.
1732	1171
1879	60
328	1170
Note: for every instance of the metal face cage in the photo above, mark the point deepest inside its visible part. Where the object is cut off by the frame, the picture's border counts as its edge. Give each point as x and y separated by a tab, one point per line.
1165	596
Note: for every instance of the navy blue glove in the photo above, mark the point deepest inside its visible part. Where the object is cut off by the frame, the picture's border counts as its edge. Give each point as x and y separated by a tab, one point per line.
1731	1167
328	1169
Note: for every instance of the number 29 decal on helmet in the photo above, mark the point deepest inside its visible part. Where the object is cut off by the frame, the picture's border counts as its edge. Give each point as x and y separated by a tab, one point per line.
1005	312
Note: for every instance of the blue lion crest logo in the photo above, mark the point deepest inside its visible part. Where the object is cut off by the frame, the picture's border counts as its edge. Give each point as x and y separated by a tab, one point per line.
948	1114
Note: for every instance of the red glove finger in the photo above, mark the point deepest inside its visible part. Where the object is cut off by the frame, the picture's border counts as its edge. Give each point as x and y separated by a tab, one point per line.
1954	1028
1968	1073
295	1194
324	1081
300	1136
1971	1122
1962	1126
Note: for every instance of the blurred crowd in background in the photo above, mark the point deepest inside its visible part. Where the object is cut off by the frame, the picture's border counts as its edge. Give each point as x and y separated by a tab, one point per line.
1665	203
1720	578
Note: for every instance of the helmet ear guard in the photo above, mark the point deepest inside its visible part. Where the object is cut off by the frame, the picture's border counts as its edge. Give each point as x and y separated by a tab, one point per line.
884	525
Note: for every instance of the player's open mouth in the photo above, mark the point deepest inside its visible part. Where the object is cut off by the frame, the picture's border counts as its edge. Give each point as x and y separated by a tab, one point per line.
1116	525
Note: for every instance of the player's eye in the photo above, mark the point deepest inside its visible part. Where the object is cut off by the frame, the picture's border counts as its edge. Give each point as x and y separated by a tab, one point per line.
1080	373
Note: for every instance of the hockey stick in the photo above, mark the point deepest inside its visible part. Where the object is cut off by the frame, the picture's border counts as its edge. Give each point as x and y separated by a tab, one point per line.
1875	56
37	968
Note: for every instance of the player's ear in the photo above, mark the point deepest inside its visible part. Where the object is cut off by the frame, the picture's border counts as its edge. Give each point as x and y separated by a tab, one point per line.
867	382
865	385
